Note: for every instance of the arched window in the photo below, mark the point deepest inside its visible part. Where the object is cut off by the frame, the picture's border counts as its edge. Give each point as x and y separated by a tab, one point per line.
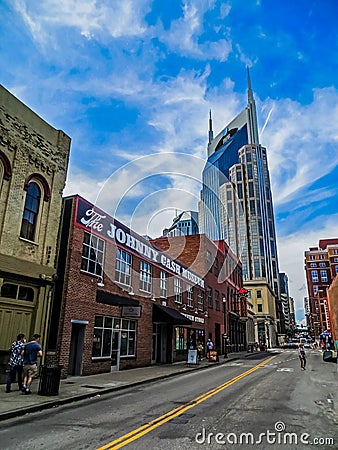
31	211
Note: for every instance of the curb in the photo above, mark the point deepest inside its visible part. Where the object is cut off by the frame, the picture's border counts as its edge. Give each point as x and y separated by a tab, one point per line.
79	397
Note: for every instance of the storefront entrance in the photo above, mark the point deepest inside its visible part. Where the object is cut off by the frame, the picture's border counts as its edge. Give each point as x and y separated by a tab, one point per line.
160	352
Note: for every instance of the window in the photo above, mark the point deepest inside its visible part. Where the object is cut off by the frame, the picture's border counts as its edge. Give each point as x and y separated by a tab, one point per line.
106	330
145	276
335	251
313	265
92	254
323	275
14	291
163	284
315	290
335	260
314	275
31	212
259	294
190	301
123	267
181	335
209	297
312	257
217	304
259	307
178	290
322	265
336	267
200	300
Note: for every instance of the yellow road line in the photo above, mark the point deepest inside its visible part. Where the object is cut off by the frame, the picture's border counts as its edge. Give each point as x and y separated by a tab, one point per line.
144	429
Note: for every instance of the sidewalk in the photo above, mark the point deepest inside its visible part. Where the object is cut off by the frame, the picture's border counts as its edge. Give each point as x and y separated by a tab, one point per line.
73	389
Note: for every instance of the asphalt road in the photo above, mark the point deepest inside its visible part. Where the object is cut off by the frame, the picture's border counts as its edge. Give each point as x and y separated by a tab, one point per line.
258	402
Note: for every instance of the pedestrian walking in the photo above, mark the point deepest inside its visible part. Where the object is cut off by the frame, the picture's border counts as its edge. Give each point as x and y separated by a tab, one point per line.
210	346
302	356
31	353
16	363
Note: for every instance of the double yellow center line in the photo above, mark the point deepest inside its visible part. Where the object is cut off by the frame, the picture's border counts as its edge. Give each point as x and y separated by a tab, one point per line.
144	429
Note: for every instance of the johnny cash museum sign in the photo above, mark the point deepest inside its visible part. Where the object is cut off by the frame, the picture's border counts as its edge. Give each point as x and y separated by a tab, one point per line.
95	220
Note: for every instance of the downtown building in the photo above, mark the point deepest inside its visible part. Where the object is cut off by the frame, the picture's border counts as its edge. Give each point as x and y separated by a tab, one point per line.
236	206
119	302
33	168
229	319
321	268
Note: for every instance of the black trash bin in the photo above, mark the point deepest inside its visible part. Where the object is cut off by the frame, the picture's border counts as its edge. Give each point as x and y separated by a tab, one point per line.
50	377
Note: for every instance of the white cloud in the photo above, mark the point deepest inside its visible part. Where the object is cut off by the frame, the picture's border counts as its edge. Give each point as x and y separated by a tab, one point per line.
301	142
91	19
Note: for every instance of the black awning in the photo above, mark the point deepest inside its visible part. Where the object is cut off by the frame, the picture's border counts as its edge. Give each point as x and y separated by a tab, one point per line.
165	314
115	300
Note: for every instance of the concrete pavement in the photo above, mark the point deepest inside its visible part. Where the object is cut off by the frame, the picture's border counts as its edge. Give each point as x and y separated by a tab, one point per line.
73	389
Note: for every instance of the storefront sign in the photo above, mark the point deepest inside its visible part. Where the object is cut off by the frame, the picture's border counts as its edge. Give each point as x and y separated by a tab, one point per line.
95	220
193	318
192	357
131	311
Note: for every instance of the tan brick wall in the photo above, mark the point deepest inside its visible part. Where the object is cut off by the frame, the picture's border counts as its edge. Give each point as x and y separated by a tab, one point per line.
30	146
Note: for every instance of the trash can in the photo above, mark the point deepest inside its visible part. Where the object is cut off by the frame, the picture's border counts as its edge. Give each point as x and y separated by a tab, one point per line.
50	377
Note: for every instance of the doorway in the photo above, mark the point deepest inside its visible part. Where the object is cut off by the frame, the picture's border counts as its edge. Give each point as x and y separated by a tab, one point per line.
159	353
76	348
115	351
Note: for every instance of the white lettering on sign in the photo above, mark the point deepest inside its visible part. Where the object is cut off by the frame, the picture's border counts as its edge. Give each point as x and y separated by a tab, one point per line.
94	220
193	318
130	241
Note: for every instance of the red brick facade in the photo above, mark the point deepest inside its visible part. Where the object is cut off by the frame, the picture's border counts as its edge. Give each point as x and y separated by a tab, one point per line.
162	333
222	272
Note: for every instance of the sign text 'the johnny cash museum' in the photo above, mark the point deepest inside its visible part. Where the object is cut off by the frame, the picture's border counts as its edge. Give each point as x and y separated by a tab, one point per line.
92	218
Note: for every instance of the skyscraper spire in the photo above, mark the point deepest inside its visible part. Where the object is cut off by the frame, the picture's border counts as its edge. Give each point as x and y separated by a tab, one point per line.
252	115
250	93
211	133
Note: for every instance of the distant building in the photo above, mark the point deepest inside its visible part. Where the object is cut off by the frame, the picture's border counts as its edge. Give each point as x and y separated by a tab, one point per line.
284	295
185	224
33	168
321	267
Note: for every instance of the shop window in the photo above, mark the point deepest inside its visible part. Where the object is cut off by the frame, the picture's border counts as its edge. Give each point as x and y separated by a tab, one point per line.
145	276
105	329
181	341
17	292
92	254
123	267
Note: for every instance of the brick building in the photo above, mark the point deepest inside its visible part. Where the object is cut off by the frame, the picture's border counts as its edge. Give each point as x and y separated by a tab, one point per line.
222	272
33	167
118	301
321	267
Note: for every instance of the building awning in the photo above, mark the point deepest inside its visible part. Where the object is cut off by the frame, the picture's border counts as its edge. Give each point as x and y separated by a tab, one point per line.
114	300
163	313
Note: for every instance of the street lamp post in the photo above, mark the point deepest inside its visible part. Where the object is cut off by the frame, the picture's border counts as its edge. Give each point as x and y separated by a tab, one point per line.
225	337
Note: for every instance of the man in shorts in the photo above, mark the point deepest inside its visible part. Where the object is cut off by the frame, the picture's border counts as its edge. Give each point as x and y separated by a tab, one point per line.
30	369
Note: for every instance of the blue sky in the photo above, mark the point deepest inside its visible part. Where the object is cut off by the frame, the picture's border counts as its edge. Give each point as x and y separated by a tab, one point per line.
132	84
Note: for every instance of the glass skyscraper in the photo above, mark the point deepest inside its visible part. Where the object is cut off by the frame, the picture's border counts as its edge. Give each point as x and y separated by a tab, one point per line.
236	201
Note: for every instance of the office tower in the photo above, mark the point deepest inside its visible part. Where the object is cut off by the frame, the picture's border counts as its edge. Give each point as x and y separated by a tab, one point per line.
236	205
184	224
